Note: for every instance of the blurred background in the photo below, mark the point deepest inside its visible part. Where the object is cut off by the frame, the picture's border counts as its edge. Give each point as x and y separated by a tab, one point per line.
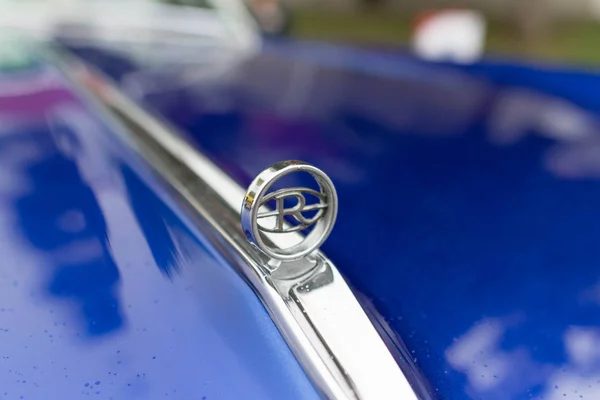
567	31
559	30
556	30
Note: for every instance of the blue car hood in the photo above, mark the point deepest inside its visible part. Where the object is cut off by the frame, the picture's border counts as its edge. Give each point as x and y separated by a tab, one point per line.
469	214
106	290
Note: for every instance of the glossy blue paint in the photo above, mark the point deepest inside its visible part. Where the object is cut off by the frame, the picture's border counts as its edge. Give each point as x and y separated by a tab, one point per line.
105	291
469	200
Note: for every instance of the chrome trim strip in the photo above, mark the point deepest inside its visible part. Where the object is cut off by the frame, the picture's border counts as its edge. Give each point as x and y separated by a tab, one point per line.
317	314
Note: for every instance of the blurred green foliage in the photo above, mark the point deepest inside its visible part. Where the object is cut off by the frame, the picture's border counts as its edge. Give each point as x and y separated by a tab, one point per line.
571	42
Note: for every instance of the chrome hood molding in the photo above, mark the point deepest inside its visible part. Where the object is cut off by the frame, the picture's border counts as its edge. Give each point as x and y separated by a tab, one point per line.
309	301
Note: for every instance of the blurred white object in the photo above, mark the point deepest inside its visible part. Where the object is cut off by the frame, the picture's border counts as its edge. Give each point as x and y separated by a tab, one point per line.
450	35
133	22
594	8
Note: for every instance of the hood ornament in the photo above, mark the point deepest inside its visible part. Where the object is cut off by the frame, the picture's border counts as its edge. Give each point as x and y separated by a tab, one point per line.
266	215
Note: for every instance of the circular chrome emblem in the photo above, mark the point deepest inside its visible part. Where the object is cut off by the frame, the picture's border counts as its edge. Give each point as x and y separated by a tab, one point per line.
320	213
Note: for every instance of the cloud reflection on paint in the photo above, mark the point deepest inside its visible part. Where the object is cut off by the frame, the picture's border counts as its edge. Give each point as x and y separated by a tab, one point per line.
576	160
517	113
510	373
494	372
